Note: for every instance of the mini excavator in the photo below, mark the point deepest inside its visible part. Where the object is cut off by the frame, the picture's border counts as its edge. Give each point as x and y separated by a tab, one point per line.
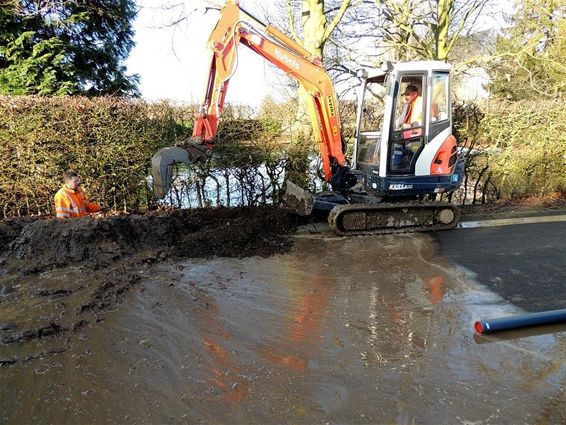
398	166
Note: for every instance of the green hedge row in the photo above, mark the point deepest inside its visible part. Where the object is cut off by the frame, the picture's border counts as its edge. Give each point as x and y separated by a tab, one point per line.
108	141
516	149
526	144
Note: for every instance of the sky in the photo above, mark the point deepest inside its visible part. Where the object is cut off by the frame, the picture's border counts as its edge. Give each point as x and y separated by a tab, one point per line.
173	61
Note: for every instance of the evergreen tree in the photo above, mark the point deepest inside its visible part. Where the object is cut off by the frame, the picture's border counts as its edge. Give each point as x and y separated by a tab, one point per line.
66	47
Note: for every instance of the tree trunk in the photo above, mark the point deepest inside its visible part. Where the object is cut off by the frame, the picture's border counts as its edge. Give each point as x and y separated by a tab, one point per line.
314	25
315	34
442	41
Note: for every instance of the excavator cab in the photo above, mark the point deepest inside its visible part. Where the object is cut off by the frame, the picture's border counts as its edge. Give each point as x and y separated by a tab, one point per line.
404	145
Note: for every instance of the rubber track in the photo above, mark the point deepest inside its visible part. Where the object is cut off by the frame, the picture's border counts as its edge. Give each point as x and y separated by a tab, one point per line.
388	218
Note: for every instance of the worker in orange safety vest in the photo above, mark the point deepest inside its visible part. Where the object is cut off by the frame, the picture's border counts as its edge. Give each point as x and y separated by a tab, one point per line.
70	200
412	115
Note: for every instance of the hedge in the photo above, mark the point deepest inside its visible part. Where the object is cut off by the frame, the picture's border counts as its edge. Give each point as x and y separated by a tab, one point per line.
527	146
514	149
108	141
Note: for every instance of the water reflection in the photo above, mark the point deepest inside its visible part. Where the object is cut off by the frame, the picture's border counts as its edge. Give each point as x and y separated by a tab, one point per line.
401	299
360	330
303	319
224	380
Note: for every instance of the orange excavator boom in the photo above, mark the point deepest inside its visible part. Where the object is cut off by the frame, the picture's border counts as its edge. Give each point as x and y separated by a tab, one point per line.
236	26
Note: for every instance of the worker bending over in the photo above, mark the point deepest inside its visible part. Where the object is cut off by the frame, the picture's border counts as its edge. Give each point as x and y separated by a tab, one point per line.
70	200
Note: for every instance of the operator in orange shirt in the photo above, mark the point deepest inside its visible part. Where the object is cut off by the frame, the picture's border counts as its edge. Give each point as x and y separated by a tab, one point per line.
412	115
70	200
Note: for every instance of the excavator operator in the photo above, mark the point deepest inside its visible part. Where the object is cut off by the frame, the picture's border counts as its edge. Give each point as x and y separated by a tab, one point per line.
412	115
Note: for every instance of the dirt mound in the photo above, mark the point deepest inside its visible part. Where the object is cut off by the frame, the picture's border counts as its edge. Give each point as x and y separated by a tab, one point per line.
10	229
58	276
43	244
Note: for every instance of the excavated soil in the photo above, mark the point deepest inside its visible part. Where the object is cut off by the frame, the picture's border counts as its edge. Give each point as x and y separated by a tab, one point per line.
36	246
57	276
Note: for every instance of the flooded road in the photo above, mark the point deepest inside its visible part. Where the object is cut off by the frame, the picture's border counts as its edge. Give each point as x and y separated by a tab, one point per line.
363	330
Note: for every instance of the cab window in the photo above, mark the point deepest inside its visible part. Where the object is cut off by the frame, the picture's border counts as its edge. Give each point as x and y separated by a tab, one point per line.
369	139
372	111
439	106
409	109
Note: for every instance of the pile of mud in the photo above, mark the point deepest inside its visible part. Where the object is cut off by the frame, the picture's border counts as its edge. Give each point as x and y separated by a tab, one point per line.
226	232
57	276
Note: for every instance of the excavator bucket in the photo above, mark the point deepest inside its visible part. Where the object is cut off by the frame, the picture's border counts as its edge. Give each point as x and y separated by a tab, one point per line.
163	161
298	200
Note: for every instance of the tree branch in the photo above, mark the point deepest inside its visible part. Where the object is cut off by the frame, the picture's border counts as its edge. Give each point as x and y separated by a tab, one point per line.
476	6
291	20
343	7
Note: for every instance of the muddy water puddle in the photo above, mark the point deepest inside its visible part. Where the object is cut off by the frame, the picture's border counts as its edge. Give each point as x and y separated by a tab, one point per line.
374	330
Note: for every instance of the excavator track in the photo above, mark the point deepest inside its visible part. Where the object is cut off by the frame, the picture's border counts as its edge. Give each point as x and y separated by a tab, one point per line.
386	218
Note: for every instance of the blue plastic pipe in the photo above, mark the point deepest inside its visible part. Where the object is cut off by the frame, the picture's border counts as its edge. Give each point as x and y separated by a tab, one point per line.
522	321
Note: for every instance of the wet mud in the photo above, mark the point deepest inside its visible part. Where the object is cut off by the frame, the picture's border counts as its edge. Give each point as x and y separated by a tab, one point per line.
234	319
367	330
57	276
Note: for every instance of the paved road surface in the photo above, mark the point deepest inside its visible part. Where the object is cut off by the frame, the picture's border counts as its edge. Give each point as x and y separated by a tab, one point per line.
524	264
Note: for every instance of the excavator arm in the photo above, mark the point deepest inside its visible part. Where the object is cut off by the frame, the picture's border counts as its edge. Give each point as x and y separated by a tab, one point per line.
230	31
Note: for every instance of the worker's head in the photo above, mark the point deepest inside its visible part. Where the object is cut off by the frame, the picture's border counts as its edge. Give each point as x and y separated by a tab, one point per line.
71	179
411	93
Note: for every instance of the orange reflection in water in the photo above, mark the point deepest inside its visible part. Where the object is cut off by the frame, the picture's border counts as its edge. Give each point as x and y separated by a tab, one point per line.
435	288
285	360
306	319
224	374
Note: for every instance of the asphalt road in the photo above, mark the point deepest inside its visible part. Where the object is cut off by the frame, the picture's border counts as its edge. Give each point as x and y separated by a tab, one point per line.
524	264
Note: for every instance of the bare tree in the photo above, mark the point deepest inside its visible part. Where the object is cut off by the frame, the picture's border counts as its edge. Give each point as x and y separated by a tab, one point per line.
327	30
528	61
415	29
